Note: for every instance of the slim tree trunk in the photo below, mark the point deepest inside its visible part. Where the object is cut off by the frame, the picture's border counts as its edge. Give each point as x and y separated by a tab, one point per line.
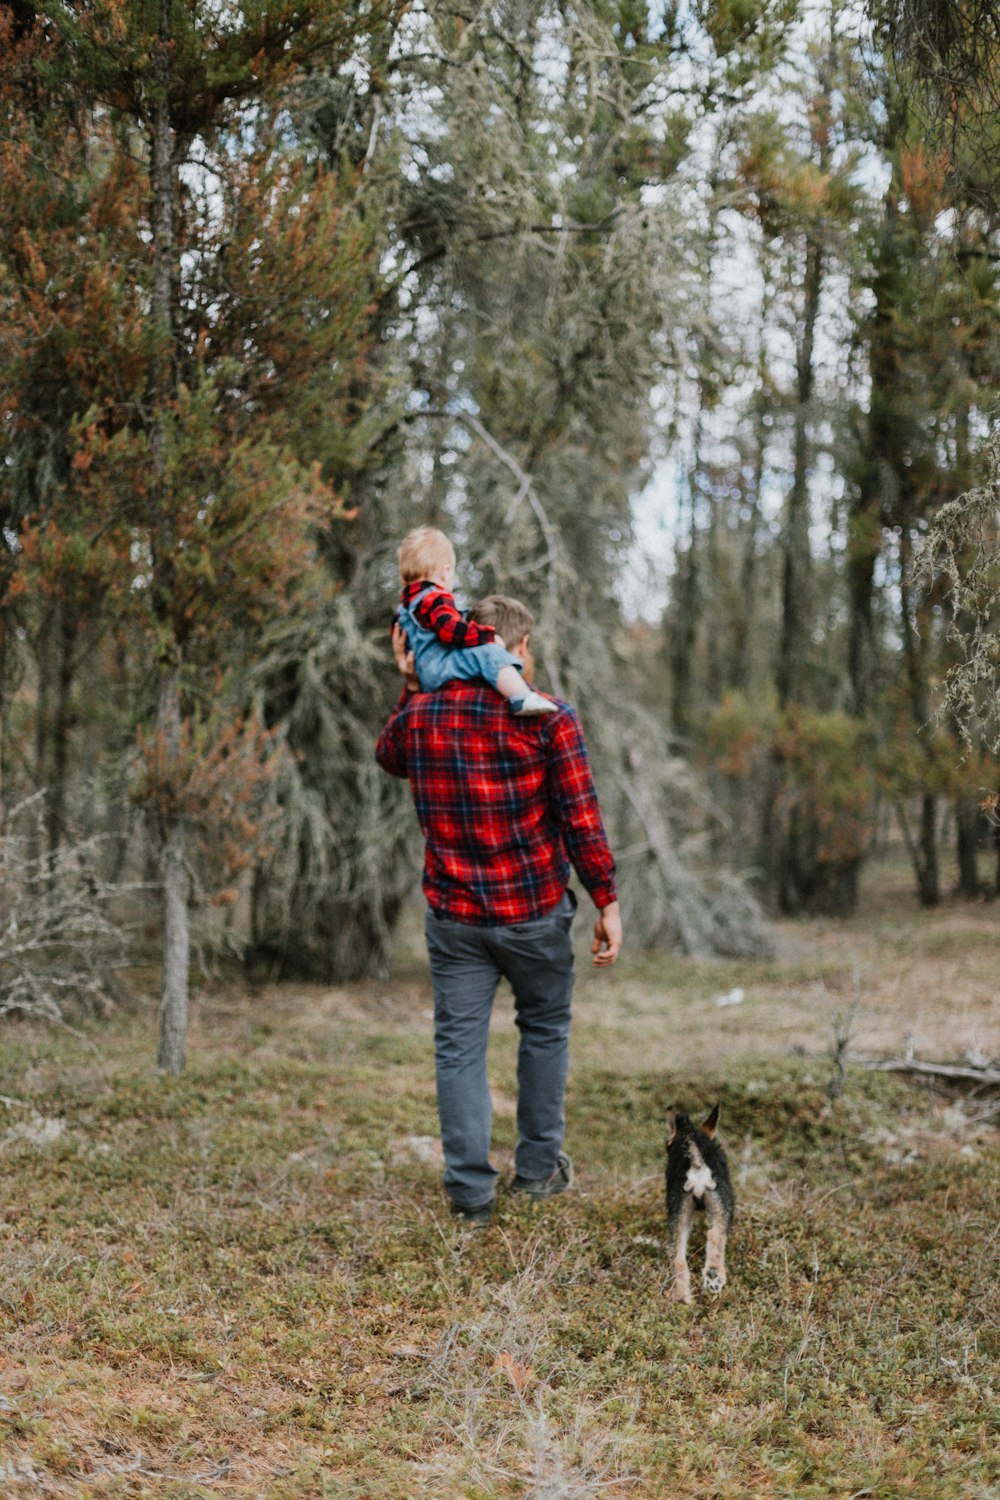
176	934
739	666
793	654
714	658
62	725
864	543
686	616
694	578
6	569
43	717
870	501
928	874
866	503
967	814
966	845
926	859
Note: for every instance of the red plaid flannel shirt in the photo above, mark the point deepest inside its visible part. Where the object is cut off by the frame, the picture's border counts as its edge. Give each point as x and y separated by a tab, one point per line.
502	801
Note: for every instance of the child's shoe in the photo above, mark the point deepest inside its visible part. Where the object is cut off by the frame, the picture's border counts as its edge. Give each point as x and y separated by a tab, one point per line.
531	705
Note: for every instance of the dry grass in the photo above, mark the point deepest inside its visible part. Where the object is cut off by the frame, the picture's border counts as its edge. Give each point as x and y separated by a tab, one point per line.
244	1283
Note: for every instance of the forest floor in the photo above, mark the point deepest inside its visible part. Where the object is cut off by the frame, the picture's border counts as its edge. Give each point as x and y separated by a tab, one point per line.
244	1282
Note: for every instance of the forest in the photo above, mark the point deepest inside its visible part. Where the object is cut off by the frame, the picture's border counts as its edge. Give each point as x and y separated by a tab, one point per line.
683	325
682	321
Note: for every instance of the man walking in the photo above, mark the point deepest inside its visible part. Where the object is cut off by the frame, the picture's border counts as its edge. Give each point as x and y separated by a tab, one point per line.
502	802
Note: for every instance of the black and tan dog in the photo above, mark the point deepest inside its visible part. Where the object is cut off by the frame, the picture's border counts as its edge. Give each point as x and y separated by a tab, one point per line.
697	1177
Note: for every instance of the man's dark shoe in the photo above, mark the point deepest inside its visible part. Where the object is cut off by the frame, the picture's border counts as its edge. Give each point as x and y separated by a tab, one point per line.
474	1218
546	1187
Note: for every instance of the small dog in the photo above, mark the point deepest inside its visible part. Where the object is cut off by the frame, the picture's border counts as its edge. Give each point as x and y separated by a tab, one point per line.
697	1177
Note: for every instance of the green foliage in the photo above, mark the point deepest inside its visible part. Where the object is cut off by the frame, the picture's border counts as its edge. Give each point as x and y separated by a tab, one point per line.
326	900
180	512
491	271
803	785
826	784
528	336
218	61
739	27
736	735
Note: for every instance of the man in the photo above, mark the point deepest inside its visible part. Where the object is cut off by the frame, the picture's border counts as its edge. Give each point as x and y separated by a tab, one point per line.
501	802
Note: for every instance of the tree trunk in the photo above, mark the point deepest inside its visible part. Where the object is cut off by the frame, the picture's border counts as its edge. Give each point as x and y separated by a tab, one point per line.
42	724
693	577
927	871
967	812
928	874
684	633
61	728
176	933
867	509
6	570
714	658
793	653
739	666
966	843
923	849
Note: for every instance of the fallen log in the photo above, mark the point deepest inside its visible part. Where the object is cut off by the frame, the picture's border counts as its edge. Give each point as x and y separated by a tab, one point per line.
933	1069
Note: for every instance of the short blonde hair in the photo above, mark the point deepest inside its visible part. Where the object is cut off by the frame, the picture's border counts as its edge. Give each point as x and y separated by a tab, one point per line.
424	551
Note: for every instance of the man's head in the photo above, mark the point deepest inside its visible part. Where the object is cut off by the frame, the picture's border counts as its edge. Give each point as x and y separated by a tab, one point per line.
512	621
427	553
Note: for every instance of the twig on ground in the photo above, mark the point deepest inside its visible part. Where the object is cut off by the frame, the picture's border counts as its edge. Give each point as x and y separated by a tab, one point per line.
842	1025
930	1069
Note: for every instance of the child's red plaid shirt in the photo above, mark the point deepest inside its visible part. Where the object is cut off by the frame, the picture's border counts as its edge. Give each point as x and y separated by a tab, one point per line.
438	611
502	801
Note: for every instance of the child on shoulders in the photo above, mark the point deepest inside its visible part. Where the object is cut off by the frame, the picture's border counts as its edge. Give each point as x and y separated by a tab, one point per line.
446	645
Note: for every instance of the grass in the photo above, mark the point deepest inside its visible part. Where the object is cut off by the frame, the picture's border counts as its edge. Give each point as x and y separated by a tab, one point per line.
244	1283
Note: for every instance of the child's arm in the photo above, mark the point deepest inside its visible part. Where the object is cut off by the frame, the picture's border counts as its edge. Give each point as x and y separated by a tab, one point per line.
438	611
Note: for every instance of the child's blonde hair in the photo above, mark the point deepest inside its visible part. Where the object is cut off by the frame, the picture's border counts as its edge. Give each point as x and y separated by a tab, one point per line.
423	552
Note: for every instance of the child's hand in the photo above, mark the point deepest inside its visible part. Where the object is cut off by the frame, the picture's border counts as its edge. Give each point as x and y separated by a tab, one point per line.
405	659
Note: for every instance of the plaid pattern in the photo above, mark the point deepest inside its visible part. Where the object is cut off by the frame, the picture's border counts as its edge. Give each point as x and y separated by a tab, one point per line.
502	801
437	611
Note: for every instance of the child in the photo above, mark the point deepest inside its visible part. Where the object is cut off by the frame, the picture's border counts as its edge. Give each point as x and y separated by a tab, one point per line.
444	643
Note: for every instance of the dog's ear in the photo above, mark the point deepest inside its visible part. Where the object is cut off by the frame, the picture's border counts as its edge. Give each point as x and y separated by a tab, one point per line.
712	1123
671	1125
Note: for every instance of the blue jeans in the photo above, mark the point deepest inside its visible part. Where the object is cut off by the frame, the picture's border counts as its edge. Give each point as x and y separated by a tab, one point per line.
466	965
437	664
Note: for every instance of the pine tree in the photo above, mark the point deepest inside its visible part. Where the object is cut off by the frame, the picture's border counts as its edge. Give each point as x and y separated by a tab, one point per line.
196	463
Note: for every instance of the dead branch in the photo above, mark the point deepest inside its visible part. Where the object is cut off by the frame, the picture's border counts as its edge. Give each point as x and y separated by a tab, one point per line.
931	1069
60	938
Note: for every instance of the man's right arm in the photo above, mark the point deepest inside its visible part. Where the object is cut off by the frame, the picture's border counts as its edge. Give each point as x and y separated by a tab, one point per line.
573	800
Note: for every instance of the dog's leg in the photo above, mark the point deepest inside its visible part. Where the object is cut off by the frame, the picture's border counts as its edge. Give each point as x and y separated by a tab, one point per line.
714	1277
678	1230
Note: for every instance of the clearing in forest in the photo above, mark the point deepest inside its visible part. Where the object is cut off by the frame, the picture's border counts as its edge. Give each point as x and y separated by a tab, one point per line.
243	1282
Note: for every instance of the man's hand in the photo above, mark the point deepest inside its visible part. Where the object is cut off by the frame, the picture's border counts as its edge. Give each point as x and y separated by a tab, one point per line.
607	942
404	659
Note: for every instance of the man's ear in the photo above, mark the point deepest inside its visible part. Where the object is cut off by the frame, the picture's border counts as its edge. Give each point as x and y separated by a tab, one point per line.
523	645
